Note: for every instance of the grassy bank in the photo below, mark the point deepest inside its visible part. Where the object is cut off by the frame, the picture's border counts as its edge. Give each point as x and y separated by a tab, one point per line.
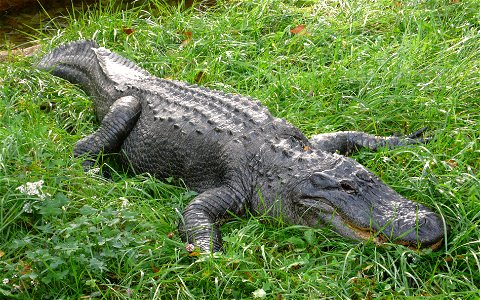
377	66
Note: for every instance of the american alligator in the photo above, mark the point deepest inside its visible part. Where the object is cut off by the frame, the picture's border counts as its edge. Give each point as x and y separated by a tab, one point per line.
236	155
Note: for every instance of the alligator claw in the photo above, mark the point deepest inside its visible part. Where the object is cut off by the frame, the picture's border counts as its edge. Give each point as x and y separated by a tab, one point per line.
417	134
416	137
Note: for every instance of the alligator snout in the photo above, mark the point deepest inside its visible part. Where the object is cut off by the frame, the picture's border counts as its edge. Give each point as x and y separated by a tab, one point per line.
415	225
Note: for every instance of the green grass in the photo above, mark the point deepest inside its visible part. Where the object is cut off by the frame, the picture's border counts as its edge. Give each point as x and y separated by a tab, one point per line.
377	66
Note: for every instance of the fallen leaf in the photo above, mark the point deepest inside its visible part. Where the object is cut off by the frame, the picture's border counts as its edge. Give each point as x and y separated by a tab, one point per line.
306	148
188	38
187	34
249	276
155	269
454	1
397	3
297	30
452	163
128	31
449	258
199	77
194	254
26	269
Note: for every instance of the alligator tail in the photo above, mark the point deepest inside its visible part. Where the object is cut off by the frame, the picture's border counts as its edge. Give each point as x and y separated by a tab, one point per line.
78	50
75	62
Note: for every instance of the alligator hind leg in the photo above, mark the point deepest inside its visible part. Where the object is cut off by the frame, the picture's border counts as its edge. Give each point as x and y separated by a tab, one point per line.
114	128
347	142
203	216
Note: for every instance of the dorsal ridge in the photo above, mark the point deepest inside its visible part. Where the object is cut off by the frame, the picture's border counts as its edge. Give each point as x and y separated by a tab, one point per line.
117	68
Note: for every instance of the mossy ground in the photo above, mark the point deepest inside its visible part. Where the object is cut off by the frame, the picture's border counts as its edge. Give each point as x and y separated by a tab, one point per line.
383	67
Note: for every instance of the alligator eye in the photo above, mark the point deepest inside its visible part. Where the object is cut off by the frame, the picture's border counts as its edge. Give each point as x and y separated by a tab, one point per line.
348	188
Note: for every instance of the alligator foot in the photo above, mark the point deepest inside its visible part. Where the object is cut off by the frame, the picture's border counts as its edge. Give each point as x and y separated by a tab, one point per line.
347	142
203	216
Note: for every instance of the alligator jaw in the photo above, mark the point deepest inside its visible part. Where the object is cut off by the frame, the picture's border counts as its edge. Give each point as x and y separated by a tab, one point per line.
380	239
344	226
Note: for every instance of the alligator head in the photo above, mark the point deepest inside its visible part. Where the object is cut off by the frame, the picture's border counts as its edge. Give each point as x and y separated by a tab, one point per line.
358	205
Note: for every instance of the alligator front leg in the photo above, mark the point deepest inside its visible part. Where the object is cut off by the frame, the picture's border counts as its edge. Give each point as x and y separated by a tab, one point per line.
203	216
114	128
346	142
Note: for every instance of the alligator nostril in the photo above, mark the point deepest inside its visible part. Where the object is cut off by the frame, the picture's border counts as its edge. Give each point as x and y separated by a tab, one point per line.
348	187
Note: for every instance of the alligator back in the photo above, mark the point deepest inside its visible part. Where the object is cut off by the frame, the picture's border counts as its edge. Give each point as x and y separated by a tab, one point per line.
202	136
185	131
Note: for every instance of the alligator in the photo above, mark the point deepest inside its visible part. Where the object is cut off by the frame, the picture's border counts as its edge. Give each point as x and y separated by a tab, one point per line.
238	157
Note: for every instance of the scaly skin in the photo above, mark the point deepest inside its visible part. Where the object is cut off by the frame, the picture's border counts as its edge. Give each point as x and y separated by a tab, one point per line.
236	155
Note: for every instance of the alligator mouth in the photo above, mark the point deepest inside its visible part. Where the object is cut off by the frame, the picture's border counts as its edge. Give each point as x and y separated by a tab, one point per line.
380	239
344	225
